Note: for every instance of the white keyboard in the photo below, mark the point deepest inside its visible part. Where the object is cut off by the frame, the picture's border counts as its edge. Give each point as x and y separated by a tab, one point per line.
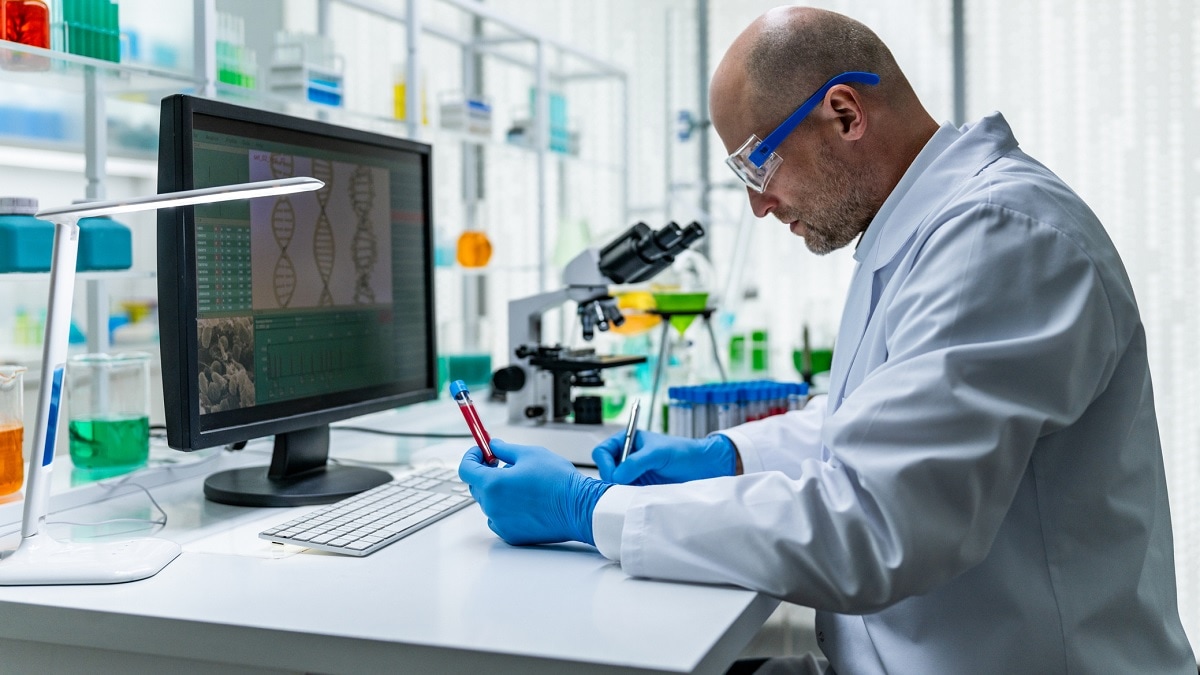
368	521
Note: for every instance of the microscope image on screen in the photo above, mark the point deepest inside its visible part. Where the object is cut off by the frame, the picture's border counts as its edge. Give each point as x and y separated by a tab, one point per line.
328	245
226	359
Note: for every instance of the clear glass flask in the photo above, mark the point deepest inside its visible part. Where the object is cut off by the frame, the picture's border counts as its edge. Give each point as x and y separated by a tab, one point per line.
108	399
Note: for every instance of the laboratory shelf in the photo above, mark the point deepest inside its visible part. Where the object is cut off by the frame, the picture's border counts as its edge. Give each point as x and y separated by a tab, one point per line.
64	72
63	155
390	126
106	275
488	269
291	105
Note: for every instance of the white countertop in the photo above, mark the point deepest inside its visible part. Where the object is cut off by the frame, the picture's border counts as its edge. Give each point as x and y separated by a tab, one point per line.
449	598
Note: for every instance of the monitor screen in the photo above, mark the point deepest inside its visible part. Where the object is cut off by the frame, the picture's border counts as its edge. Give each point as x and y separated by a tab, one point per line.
279	315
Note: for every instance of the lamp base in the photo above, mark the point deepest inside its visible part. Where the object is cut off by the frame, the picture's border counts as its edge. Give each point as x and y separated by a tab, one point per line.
41	560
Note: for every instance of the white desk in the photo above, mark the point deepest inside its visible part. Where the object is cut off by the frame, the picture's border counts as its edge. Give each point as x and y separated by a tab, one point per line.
450	598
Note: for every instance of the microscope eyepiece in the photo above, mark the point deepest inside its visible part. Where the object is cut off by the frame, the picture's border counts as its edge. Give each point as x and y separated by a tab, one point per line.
668	237
640	253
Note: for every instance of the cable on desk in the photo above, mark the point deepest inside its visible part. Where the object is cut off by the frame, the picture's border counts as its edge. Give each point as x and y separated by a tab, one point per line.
127	480
157	523
401	434
366	430
395	465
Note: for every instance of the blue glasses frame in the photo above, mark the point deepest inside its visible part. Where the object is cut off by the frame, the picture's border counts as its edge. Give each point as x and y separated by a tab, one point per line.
755	161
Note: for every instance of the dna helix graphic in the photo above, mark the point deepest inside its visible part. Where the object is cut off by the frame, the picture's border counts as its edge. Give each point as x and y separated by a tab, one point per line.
364	244
283	226
323	244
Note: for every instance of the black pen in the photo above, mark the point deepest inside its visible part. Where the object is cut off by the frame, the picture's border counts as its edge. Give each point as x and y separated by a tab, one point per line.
631	429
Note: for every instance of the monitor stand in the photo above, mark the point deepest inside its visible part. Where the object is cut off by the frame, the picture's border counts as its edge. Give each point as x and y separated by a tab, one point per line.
298	475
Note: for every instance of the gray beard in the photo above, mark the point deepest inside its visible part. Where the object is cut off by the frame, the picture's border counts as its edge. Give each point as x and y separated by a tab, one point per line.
842	210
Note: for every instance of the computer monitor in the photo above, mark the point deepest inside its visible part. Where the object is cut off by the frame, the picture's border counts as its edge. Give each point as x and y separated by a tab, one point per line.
280	315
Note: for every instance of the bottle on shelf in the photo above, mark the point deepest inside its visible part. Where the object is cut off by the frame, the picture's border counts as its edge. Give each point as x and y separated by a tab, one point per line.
474	249
25	241
305	66
26	22
400	96
236	64
91	28
104	244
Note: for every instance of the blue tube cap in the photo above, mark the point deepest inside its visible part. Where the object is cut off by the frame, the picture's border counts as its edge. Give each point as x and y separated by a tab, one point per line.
458	387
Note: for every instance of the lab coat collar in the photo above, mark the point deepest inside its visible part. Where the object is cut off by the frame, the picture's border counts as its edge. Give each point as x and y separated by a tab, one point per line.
934	171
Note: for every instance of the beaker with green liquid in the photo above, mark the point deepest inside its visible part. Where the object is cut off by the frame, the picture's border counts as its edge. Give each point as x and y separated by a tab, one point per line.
108	401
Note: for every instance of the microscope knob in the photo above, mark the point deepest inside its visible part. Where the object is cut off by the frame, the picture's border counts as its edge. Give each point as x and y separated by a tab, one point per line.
509	378
534	412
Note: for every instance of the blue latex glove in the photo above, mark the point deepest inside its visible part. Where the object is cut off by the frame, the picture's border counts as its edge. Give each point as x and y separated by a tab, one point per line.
658	458
538	498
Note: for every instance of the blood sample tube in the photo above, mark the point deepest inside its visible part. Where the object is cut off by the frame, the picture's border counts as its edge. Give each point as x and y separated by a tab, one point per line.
458	389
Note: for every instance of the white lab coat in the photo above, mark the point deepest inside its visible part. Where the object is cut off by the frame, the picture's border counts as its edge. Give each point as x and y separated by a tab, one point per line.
983	489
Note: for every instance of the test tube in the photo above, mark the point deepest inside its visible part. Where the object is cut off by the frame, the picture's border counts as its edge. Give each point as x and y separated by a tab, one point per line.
726	408
798	396
458	389
674	411
701	404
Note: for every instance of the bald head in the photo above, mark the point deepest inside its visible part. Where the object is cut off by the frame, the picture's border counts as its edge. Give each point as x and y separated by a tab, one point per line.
789	52
845	158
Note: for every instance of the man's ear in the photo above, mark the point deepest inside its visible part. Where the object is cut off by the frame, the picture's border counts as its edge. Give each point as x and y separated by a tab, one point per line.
844	106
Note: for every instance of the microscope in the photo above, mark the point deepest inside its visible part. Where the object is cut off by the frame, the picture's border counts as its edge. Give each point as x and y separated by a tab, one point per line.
539	380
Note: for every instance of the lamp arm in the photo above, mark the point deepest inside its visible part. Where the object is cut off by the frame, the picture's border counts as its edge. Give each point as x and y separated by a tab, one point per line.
54	361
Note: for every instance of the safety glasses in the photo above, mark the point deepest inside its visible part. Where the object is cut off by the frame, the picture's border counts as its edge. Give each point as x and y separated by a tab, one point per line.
756	161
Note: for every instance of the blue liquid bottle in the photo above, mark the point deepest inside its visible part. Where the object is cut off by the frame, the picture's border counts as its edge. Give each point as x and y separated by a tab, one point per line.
25	242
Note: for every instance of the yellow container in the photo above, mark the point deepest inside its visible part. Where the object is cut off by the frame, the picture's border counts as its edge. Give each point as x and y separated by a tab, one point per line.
634	306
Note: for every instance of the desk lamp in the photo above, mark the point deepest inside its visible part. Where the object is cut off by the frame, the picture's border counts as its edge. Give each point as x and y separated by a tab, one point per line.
40	559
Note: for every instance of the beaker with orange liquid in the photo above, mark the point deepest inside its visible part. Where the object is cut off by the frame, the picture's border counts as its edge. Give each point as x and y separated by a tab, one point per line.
12	428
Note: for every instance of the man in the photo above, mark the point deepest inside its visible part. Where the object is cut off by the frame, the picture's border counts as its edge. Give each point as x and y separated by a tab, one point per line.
982	490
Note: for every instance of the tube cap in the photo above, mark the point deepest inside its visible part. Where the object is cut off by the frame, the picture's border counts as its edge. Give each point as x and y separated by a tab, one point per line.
457	387
24	206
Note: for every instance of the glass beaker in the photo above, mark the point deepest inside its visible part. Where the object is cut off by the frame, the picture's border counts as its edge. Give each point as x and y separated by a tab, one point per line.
108	399
12	428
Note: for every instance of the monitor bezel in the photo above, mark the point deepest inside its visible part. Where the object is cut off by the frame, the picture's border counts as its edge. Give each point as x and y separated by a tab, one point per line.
177	278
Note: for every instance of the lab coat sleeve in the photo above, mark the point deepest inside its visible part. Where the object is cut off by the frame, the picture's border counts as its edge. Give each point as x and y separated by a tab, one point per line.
999	333
777	443
780	442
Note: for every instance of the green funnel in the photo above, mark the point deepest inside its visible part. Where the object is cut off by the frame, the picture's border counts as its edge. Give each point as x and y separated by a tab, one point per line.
681	302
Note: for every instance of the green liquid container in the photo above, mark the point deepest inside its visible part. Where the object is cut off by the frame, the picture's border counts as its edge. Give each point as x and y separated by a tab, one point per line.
108	409
760	351
109	443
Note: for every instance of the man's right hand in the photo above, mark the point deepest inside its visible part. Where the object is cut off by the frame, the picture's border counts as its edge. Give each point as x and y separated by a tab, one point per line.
658	458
